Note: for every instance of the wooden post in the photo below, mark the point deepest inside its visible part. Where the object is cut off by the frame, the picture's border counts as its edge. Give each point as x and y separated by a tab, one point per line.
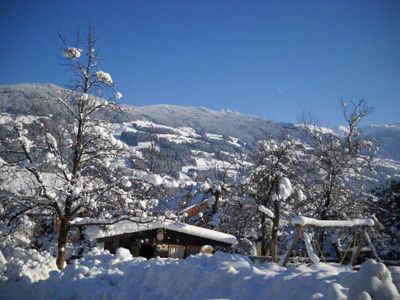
298	233
321	254
357	253
366	236
350	245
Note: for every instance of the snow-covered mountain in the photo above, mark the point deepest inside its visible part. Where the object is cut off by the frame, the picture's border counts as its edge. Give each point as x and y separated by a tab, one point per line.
191	137
19	98
387	138
224	122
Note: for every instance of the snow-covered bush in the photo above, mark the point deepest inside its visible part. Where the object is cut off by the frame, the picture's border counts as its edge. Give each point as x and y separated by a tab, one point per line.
27	265
3	268
18	260
386	207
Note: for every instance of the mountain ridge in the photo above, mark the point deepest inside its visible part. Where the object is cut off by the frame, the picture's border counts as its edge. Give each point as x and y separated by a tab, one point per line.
18	98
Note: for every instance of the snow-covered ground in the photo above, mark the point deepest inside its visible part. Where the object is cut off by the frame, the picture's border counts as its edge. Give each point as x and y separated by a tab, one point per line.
100	275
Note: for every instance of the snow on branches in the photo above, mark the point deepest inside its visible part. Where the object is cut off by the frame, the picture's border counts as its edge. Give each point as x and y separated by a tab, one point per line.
104	77
72	52
118	95
285	190
266	211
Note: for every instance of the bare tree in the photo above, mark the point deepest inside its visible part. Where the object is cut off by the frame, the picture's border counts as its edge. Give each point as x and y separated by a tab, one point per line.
339	163
73	164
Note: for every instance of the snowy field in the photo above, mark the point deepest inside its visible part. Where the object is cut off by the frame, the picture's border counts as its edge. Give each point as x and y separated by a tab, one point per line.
100	275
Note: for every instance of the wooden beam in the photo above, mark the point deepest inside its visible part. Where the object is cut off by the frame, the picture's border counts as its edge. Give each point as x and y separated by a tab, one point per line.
367	238
349	246
297	234
357	253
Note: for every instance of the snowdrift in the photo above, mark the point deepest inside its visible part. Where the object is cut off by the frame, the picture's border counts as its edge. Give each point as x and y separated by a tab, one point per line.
101	275
25	265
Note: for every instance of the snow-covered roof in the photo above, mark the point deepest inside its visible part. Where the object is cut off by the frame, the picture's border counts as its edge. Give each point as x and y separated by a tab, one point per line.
130	227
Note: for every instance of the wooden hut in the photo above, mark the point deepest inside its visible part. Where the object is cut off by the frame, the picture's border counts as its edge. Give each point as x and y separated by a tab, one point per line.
163	239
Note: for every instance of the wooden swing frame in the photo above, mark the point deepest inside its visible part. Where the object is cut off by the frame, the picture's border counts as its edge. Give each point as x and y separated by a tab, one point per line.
362	236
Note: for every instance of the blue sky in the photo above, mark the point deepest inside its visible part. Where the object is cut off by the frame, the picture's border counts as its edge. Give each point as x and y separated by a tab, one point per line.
266	58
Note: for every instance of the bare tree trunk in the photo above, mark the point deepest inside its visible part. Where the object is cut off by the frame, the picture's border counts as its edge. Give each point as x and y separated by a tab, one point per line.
263	236
81	241
216	205
274	233
275	224
62	242
324	216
